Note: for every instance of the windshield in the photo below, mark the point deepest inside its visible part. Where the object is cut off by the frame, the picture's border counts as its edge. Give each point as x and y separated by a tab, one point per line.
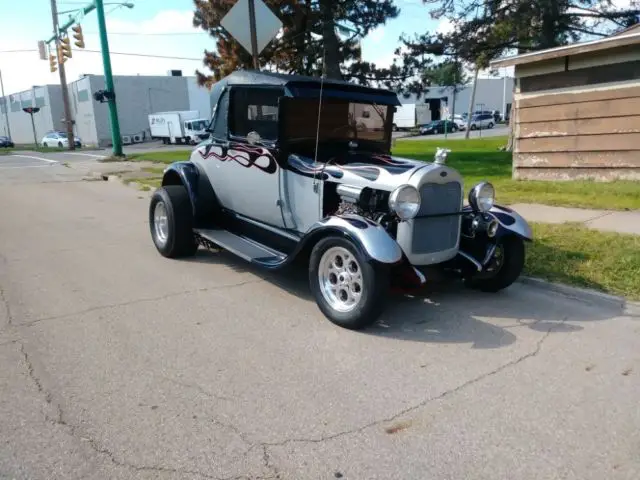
339	120
198	125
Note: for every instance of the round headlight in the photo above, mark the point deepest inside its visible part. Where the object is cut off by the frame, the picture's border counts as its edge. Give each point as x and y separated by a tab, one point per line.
405	202
482	196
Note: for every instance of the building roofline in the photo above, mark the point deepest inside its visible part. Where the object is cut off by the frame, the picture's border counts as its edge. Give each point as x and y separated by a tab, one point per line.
567	50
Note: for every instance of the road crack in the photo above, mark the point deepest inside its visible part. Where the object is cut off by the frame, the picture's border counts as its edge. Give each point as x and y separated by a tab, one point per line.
533	353
75	432
137	301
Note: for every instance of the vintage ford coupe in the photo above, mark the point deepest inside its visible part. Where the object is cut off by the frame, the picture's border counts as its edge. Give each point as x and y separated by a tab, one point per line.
299	168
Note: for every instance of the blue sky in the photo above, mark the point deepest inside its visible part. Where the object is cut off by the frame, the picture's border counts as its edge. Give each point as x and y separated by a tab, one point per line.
154	18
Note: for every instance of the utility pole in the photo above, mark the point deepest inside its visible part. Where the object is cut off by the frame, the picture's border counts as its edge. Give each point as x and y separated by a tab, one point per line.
63	79
254	37
6	106
471	103
108	80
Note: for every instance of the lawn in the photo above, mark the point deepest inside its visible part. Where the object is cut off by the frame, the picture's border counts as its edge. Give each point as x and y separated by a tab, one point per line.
166	157
480	159
575	255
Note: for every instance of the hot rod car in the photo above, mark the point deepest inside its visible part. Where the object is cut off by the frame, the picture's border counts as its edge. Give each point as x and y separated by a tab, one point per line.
299	168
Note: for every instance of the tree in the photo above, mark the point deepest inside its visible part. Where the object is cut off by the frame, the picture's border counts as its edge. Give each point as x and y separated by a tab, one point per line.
316	33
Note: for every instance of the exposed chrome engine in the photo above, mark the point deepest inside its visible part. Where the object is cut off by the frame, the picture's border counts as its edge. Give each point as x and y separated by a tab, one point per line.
368	203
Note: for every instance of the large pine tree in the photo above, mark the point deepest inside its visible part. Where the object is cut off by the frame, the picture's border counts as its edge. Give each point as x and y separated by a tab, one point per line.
314	30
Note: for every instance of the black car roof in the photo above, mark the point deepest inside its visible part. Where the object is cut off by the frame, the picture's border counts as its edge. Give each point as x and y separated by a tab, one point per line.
300	86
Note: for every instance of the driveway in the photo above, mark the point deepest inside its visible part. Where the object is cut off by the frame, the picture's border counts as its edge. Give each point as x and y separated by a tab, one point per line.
118	363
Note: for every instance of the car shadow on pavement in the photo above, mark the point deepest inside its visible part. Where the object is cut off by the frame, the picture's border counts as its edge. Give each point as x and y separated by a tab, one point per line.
446	311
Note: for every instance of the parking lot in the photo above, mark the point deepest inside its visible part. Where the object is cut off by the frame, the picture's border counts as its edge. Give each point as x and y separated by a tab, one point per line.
119	363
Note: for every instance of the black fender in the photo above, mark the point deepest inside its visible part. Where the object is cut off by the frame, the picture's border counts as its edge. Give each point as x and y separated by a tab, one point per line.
203	199
509	222
371	238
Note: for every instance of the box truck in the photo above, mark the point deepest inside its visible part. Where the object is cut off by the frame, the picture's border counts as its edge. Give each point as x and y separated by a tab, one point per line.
178	127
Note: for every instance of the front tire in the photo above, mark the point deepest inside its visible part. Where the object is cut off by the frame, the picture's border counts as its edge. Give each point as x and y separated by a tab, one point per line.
349	289
60	145
508	263
171	222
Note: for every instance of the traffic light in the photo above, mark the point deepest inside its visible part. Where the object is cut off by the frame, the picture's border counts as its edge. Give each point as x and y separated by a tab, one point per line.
77	35
53	65
65	49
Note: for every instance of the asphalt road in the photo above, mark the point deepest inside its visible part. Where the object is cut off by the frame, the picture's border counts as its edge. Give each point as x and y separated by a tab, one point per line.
118	363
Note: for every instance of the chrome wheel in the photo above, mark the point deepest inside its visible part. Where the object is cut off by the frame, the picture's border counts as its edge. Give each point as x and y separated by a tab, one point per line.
340	279
161	223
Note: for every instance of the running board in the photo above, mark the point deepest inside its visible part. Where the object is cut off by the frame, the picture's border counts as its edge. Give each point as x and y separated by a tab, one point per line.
243	247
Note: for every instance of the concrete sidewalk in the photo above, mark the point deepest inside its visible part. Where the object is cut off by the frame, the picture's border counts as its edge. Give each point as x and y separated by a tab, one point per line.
604	220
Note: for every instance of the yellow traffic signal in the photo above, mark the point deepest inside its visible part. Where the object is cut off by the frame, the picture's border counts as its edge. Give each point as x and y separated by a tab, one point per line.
77	35
65	49
53	65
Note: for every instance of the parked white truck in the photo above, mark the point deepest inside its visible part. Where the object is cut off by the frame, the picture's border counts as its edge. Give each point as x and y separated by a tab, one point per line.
178	127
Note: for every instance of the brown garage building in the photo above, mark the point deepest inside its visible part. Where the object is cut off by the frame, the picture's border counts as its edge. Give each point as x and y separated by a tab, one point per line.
577	110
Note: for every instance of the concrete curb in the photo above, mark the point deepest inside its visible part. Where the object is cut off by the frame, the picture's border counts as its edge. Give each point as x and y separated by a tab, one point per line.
582	293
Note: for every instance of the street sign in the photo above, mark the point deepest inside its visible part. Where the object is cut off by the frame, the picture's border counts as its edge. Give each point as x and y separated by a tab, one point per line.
237	23
41	50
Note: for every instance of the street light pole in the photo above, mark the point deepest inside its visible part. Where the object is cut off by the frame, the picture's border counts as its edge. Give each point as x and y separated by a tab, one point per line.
63	79
108	80
6	106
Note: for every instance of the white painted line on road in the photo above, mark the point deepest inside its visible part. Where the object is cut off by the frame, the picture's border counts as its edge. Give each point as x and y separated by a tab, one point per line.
28	166
85	154
34	158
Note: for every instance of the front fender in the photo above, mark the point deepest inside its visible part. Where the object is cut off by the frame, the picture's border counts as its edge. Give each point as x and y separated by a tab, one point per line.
372	238
512	221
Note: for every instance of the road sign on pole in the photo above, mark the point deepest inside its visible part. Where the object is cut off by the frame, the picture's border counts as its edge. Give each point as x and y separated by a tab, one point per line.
253	25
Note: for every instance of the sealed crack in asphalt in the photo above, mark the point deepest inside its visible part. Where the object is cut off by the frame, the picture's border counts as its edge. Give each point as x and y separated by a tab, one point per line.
137	301
401	413
75	432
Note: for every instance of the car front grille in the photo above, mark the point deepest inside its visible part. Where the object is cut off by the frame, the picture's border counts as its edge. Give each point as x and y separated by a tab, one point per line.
437	234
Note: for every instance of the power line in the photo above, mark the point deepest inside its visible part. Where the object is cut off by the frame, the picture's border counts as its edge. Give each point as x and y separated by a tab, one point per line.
150	34
143	55
115	53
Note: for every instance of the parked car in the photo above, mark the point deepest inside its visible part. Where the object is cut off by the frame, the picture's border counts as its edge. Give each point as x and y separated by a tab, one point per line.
482	121
6	142
58	139
460	122
438	126
319	190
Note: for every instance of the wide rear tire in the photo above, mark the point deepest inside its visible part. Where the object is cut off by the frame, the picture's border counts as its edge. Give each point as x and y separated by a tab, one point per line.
171	222
349	289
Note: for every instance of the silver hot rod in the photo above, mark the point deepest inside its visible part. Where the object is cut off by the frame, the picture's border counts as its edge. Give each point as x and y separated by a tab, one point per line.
299	168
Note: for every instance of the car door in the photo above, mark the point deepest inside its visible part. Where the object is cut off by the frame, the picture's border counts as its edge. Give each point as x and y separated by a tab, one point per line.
241	161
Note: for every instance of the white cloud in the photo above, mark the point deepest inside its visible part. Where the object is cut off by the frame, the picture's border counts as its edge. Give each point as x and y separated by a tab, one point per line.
376	35
20	71
445	26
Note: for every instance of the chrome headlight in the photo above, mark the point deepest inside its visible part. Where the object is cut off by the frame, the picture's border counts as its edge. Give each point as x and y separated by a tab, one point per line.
482	196
405	202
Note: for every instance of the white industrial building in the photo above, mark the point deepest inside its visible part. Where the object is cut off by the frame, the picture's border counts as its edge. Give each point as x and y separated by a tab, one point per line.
137	96
491	94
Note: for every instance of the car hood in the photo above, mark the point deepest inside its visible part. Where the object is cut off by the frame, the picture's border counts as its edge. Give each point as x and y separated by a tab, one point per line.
382	172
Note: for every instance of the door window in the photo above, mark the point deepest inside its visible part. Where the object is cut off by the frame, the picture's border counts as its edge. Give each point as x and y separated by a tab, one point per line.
255	110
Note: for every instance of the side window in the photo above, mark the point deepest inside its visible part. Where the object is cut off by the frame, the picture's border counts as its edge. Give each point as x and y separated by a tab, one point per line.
187	125
255	110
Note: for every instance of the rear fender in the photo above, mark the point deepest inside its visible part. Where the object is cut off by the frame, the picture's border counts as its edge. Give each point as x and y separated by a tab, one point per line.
201	194
372	239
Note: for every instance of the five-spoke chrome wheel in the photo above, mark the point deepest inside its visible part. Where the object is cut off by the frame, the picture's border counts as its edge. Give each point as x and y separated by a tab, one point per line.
340	279
161	223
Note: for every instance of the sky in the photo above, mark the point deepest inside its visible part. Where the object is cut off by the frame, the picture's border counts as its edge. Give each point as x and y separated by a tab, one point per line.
154	27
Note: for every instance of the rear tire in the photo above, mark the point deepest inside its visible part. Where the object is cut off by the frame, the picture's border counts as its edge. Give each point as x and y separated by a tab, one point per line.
490	125
473	127
349	289
45	145
512	264
171	222
60	145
